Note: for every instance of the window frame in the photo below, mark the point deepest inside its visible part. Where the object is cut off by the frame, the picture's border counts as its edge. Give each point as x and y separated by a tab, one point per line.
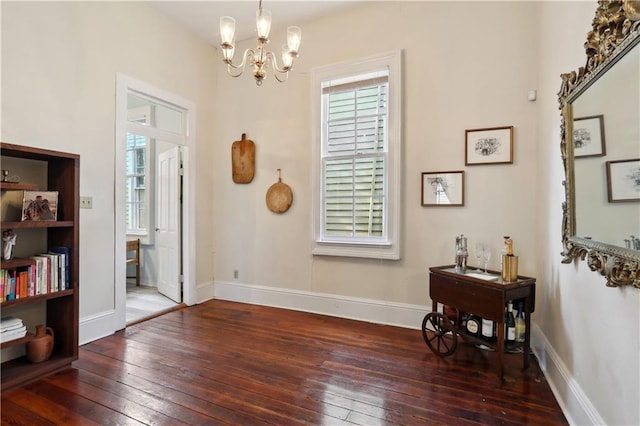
148	153
384	248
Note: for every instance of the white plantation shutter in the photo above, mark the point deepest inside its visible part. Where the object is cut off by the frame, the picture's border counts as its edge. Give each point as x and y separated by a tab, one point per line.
357	141
135	189
354	159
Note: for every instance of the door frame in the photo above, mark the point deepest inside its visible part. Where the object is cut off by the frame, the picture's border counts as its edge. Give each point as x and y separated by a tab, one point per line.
125	83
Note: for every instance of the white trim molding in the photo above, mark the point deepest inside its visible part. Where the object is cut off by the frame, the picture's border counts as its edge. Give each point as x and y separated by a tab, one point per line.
375	311
97	326
574	403
124	84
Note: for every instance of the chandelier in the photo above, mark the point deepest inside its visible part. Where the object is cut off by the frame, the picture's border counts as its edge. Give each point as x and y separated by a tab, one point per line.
259	58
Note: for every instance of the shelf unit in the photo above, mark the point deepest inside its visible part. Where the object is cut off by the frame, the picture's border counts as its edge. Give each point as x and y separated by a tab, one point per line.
62	307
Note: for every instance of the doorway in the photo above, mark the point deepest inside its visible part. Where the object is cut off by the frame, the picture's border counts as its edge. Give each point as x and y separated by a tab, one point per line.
154	275
153	204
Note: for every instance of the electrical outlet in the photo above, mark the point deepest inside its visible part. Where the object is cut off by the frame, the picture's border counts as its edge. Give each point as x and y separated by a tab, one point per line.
235	274
86	202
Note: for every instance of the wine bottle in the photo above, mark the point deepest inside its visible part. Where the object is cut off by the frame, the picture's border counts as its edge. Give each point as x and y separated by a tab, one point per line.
487	329
520	325
503	252
473	325
510	324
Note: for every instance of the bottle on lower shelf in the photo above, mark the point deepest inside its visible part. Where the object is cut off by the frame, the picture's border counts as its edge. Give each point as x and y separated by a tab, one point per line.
488	330
473	324
510	324
520	325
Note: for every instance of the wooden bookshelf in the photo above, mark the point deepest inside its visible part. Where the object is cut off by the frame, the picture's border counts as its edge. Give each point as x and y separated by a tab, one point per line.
16	186
62	307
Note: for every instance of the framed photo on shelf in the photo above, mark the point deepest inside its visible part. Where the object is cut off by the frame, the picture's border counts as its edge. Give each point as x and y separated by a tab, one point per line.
588	137
492	145
40	205
623	180
443	189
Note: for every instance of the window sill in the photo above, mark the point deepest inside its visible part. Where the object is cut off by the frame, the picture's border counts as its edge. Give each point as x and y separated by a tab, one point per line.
369	251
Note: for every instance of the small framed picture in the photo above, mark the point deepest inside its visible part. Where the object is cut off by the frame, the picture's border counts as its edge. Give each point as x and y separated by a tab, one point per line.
588	137
623	180
493	145
443	189
40	205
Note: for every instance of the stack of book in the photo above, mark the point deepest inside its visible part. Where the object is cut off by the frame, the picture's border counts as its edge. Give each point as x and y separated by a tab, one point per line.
48	273
11	328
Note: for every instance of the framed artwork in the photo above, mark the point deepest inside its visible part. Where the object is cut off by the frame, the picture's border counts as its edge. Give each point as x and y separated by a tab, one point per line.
588	137
623	180
443	189
493	145
40	205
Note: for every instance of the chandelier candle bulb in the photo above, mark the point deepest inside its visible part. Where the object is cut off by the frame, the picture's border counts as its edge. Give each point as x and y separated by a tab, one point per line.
287	58
263	24
227	31
294	36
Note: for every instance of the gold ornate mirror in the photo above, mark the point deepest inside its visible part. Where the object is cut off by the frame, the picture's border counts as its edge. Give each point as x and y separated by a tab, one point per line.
600	147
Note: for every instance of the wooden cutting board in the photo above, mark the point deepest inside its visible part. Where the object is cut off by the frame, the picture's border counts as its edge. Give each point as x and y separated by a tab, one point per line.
279	196
243	160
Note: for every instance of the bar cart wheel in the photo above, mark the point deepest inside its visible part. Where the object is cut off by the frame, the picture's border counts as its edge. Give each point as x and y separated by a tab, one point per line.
439	334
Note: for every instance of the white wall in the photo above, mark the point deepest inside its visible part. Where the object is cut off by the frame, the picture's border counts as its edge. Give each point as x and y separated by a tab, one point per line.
588	334
59	65
455	78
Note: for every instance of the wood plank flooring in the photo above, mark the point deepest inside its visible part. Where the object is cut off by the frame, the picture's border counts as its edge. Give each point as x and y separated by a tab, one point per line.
230	363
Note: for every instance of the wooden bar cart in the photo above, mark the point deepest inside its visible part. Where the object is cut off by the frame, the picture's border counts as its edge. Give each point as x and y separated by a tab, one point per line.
484	295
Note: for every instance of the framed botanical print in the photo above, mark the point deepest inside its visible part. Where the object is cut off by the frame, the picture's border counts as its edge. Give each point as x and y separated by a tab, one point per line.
443	189
588	137
623	180
493	145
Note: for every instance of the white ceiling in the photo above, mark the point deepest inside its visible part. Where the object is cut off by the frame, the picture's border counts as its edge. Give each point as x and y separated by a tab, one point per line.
203	17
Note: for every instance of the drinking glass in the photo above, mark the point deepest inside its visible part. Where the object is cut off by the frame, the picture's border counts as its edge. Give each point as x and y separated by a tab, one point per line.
479	255
486	254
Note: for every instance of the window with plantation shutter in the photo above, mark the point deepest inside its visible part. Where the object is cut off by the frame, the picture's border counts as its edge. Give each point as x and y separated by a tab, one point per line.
136	188
356	158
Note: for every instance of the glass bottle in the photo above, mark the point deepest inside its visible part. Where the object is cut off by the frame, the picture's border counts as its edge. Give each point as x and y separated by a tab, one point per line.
510	324
473	325
520	325
488	330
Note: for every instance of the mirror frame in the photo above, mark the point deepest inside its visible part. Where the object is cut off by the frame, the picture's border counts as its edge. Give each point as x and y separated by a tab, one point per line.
616	30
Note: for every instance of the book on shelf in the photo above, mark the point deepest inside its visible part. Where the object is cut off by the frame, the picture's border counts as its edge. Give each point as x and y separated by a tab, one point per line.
52	272
65	254
7	336
42	274
48	274
11	328
9	323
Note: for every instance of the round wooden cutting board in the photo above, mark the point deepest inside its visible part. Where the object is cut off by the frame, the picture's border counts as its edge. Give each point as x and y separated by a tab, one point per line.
279	197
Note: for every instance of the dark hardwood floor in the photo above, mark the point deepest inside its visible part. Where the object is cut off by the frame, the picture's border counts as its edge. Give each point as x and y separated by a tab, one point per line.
229	363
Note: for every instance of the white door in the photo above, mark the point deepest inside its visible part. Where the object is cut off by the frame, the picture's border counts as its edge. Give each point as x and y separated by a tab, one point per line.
168	224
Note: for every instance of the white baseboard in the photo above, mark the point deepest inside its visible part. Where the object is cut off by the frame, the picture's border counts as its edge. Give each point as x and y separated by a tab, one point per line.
574	403
389	313
205	292
97	326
